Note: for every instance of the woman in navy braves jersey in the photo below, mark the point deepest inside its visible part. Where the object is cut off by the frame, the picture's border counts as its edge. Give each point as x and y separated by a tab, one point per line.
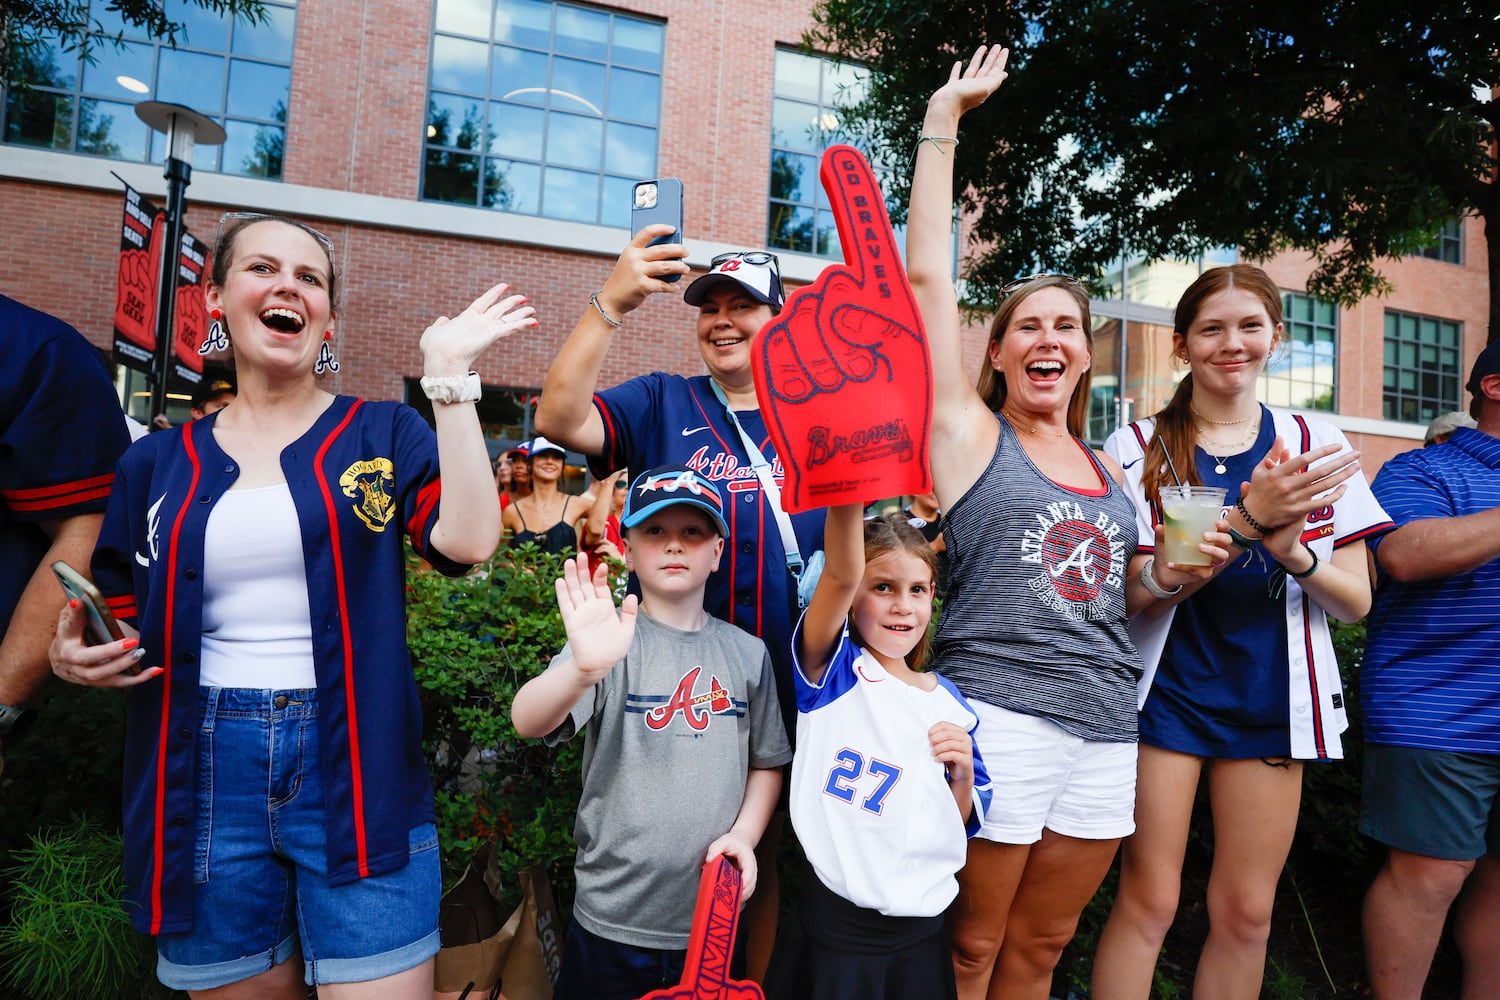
278	814
701	422
1240	670
1033	631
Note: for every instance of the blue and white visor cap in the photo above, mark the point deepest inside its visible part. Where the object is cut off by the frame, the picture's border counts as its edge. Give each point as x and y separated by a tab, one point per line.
760	280
665	485
539	445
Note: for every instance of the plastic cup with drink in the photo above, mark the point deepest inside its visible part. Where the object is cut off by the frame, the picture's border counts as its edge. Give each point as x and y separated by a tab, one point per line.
1188	512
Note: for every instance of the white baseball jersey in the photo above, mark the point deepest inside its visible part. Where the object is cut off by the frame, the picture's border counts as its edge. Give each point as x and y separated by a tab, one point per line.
871	806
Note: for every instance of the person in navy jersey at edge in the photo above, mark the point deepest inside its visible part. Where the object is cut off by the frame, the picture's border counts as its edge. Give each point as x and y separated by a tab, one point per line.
1430	690
278	814
665	419
61	433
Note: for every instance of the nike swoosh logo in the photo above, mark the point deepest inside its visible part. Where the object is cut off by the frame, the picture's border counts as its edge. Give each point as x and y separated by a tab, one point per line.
693	430
1128	465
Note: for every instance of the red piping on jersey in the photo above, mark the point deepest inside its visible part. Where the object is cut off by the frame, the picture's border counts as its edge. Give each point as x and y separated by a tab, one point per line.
361	849
1312	677
59	494
609	428
158	844
427	501
122	606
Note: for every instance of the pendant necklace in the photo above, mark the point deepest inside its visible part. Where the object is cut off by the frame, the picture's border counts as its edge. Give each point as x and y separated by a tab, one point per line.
1219	467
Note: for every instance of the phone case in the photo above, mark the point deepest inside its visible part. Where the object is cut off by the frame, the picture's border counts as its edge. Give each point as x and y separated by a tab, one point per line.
658	201
102	625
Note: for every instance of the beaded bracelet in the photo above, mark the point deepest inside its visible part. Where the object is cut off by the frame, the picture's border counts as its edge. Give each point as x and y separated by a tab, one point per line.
935	140
594	301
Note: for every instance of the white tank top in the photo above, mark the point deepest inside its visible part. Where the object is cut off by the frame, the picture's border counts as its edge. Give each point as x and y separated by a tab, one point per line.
257	629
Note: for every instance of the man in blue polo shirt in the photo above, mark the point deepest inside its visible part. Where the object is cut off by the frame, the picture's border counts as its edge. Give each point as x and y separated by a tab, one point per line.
61	433
1431	697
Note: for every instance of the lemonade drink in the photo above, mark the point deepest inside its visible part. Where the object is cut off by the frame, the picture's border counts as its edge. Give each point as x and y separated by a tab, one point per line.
1187	512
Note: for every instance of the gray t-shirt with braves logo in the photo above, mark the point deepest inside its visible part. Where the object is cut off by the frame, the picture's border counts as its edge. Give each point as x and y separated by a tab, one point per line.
670	737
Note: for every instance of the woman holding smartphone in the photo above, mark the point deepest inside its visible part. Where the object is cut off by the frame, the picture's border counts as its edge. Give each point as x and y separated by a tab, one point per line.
711	423
278	814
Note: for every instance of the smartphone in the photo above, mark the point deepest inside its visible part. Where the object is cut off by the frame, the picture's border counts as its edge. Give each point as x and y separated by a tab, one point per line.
102	626
658	201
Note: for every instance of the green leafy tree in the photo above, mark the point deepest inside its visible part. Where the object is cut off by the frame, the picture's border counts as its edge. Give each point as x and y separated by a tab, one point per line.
27	27
1155	128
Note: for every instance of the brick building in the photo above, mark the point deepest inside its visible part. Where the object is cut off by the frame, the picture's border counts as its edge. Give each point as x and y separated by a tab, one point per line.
447	145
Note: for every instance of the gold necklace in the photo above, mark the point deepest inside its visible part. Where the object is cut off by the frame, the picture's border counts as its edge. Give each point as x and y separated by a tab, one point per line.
1223	423
1249	436
1032	430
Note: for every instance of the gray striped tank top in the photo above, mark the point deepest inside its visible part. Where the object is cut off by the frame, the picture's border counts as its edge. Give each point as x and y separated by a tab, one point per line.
1034	617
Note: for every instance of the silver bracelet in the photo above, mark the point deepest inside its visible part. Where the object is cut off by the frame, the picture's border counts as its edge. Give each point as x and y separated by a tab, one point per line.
452	388
1153	588
935	139
594	301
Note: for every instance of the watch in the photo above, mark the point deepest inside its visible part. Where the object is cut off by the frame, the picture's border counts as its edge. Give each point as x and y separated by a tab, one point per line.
15	720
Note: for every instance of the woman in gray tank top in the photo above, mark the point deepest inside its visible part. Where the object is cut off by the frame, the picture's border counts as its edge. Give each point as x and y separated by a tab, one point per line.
1040	537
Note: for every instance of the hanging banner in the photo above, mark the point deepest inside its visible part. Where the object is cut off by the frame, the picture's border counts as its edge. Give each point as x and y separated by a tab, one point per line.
191	316
135	293
843	375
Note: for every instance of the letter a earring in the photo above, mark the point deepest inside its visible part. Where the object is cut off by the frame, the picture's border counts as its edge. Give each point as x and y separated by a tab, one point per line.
217	339
326	361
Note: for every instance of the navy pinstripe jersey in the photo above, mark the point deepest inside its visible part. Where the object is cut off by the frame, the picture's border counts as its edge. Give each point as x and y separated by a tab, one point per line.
362	477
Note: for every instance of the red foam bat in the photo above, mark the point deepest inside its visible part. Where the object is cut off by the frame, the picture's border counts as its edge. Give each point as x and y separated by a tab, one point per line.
843	374
705	975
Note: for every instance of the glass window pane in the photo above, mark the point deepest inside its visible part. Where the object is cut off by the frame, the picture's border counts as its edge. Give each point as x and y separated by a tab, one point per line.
201	28
1408	355
1327	314
1450	335
37	118
618	196
459	64
1390	352
109	129
844	84
253	150
637	43
570	194
515	131
573	140
519	75
191	78
794	125
636	96
48	65
514	187
451	177
464	17
454	121
131	61
204	157
828	235
577	86
258	90
790	228
524	22
793	177
112	22
581	32
797	75
271	40
630	150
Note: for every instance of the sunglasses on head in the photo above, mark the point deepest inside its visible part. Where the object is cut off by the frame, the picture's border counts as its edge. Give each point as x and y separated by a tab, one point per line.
233	217
1011	286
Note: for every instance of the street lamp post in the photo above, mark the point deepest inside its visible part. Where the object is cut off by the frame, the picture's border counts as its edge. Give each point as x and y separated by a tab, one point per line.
183	127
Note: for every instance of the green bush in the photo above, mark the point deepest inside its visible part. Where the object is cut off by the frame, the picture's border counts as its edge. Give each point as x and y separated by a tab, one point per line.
66	935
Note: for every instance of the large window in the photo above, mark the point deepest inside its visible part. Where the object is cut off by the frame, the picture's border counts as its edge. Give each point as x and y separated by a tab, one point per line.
238	74
1302	374
1449	247
805	120
542	108
1423	356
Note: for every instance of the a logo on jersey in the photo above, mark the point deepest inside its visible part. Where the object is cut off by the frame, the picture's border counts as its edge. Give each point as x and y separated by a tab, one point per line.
1083	561
370	484
696	707
153	532
725	468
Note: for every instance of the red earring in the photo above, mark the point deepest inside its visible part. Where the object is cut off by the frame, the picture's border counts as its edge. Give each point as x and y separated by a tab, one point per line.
216	314
327	334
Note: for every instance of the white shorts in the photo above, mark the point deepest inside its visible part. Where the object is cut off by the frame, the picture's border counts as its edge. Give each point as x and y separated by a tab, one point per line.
1043	777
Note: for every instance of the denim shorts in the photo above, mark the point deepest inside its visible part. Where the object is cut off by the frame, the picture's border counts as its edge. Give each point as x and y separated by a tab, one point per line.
260	883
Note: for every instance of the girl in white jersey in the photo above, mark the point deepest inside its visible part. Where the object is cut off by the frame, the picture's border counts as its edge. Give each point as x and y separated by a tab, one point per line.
887	783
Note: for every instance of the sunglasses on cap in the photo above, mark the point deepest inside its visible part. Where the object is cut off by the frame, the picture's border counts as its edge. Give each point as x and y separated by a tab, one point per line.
757	258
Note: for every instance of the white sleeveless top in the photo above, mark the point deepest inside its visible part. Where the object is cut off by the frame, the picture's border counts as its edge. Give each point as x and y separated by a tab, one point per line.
257	629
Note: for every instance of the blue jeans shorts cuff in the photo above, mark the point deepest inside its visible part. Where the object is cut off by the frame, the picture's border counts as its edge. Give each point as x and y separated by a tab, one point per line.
207	977
359	970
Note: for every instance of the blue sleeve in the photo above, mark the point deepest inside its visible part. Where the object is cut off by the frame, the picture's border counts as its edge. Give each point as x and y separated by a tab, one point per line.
983	793
631	413
1409	491
837	679
419	487
113	566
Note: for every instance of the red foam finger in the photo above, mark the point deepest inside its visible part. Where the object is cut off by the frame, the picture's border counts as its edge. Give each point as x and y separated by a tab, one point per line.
865	233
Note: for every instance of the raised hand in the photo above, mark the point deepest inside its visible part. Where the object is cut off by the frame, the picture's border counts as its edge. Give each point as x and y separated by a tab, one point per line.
450	346
843	377
1285	491
641	270
598	636
967	88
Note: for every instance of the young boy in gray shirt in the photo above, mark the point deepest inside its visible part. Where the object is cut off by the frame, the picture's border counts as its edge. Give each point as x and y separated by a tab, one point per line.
683	740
